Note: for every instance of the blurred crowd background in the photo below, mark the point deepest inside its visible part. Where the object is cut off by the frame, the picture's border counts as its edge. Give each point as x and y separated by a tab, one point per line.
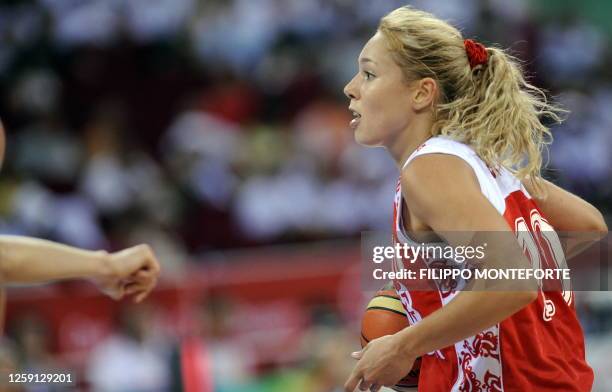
217	132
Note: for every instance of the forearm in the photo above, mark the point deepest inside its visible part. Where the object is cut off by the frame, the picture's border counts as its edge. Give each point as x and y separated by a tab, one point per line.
566	211
578	223
31	260
468	314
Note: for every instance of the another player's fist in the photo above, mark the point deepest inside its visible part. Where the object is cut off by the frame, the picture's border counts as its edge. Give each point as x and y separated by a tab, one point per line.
132	271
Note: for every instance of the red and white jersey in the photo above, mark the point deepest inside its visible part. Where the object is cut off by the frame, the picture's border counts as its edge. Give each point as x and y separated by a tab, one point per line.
539	348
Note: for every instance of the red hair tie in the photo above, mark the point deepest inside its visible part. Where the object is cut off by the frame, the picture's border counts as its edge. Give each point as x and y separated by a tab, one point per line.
476	53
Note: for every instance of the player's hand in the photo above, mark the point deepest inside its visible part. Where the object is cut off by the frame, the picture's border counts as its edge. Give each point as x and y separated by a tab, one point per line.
383	362
132	271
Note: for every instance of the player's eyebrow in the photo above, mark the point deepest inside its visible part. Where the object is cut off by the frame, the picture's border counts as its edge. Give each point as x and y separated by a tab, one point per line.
366	60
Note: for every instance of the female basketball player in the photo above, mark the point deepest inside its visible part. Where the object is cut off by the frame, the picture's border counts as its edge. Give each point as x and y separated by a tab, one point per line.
133	271
463	127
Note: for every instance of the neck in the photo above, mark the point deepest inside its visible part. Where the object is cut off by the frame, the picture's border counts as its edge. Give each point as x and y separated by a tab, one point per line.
408	140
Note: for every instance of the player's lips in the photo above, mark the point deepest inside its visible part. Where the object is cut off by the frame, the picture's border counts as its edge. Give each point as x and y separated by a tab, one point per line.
356	118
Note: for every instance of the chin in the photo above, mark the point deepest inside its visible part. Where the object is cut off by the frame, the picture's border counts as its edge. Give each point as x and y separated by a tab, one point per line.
365	138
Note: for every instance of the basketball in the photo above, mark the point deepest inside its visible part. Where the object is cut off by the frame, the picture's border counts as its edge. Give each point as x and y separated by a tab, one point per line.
385	315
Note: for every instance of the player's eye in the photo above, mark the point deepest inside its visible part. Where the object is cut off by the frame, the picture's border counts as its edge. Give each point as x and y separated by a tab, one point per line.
368	75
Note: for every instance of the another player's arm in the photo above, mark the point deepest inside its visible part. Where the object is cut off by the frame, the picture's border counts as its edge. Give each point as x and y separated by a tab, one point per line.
32	260
578	222
443	192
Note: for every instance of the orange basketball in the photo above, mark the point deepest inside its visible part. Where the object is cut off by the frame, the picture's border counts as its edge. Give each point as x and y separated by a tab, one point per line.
385	315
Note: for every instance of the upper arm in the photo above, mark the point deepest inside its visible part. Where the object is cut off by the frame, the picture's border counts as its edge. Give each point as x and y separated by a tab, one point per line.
442	190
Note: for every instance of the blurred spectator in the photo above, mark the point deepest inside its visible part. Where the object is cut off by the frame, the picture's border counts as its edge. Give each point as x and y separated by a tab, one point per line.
8	361
585	133
37	93
570	52
235	33
33	340
148	20
231	361
199	149
47	151
78	23
105	179
133	358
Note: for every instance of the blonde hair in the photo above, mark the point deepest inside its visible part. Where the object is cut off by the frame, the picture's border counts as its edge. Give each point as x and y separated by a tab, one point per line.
491	107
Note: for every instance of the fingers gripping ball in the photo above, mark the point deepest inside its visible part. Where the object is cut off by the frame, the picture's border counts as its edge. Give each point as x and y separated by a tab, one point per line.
385	315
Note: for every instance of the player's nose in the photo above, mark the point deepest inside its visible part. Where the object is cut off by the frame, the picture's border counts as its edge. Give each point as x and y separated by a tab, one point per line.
350	89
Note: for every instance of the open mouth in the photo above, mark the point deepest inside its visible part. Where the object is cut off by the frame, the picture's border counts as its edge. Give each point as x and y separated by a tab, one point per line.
355	121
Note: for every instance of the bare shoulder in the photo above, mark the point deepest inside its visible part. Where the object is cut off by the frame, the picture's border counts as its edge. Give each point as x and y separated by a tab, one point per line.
431	174
443	191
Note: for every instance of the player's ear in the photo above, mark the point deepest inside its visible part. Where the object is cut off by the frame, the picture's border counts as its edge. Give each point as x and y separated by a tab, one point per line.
425	91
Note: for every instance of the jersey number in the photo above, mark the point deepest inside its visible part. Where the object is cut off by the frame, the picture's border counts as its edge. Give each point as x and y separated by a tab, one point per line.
542	246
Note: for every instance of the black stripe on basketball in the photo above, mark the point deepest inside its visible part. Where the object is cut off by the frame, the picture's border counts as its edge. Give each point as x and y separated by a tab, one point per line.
364	338
406	385
387	309
386	296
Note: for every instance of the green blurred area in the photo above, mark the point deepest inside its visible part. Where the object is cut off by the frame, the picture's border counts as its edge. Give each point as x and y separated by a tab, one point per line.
595	12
